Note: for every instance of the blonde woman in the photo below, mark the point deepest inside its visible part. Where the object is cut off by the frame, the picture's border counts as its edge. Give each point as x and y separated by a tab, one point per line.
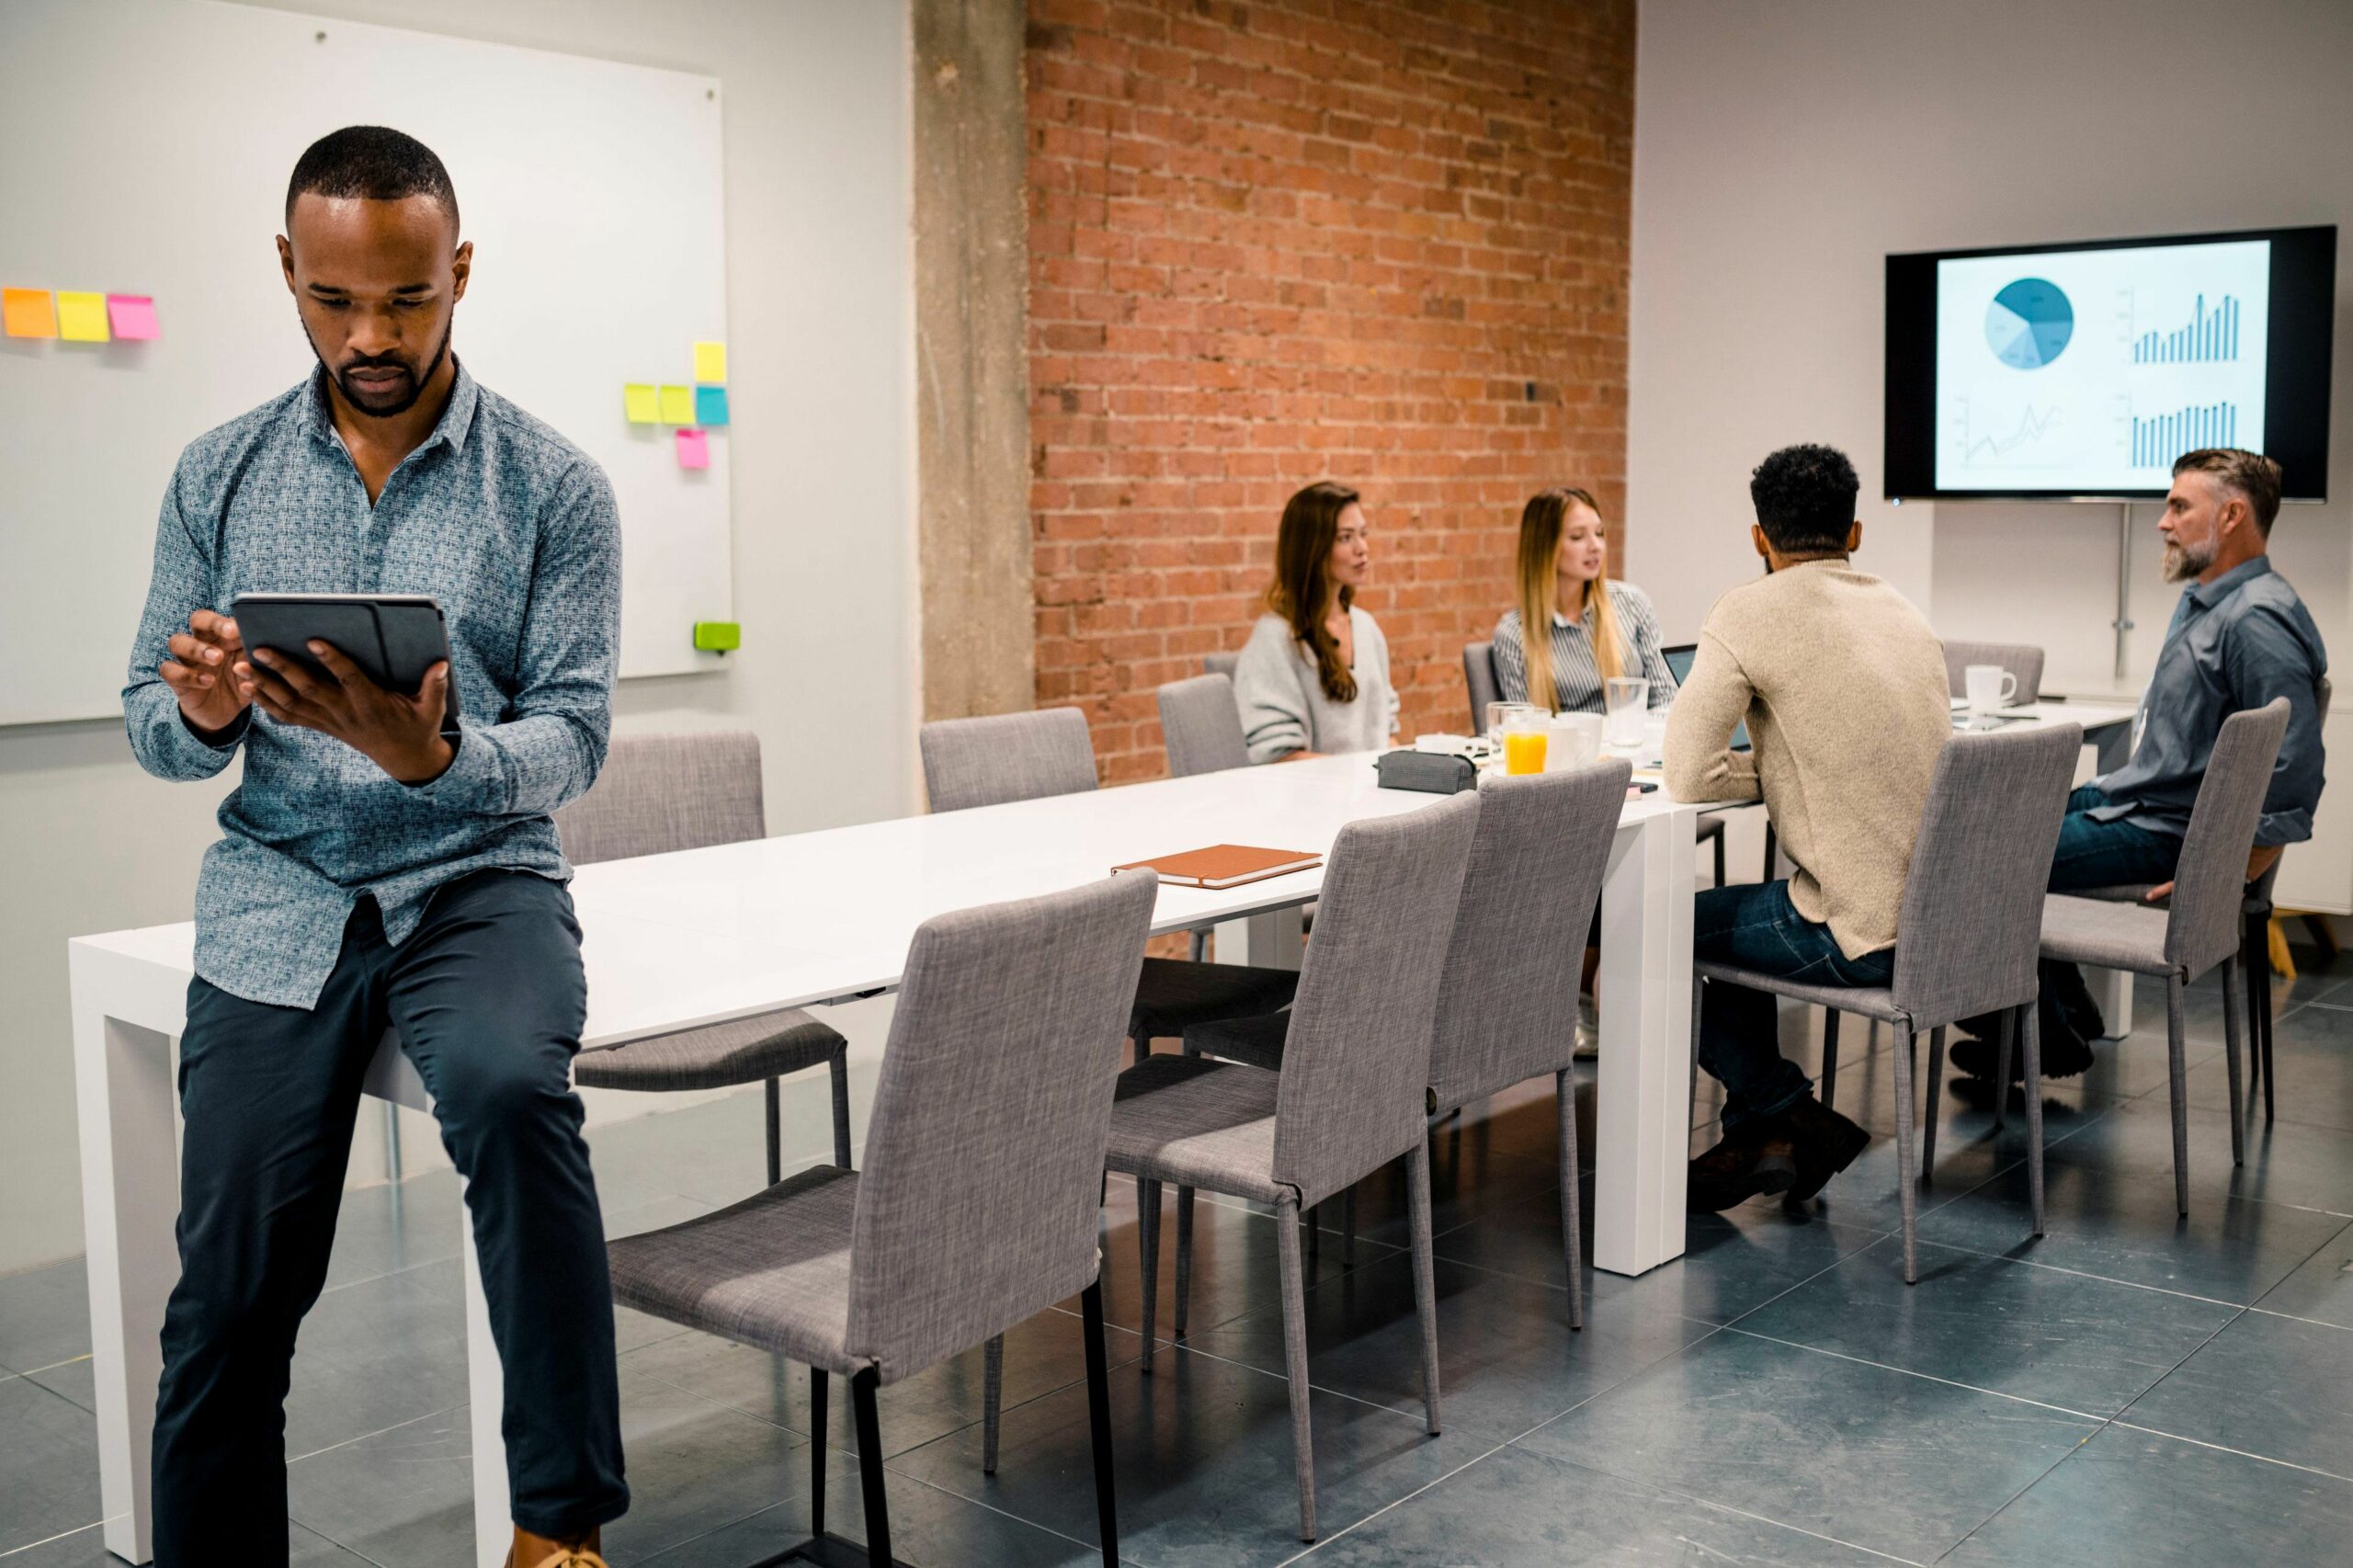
1596	627
1314	676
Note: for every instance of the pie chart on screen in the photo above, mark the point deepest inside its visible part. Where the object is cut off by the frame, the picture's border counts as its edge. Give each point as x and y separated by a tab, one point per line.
2028	323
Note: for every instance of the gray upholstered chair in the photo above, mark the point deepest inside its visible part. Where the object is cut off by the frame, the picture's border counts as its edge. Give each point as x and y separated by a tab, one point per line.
1507	1000
1969	925
978	1205
660	793
2023	660
1221	663
1352	1095
1027	757
2199	927
1201	726
1479	676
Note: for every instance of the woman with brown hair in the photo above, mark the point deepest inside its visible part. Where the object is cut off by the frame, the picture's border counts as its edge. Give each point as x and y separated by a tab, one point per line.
1314	676
1596	627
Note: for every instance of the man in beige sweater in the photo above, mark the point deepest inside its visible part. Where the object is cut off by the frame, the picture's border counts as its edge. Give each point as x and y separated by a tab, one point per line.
1842	684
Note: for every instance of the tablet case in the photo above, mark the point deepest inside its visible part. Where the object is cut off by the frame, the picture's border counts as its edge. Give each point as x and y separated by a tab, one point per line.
393	638
1224	865
1435	773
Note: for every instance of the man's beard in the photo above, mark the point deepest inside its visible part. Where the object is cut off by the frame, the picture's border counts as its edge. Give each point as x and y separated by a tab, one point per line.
2183	562
402	402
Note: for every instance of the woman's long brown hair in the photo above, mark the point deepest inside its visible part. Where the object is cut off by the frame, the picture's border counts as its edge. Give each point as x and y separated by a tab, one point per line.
1540	546
1304	579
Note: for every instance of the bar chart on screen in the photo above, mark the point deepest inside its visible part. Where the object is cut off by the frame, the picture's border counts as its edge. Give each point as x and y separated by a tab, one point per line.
2208	337
2160	438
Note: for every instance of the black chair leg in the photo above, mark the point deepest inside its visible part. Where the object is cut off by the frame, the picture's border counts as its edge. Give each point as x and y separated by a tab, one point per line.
869	1467
817	1446
1771	845
1721	873
776	1132
2255	964
1098	1417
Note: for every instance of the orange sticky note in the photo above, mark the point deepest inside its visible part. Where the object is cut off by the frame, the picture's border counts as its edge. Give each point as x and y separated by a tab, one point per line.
133	316
694	449
82	318
28	312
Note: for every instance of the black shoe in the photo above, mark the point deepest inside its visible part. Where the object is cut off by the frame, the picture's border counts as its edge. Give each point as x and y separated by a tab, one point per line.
1736	1170
2066	1054
1823	1143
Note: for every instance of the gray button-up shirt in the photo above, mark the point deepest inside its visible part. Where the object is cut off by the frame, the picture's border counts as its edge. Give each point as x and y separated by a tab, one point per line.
514	531
2235	643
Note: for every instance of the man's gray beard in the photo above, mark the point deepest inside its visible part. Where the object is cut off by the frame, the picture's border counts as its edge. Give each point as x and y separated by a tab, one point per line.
2182	562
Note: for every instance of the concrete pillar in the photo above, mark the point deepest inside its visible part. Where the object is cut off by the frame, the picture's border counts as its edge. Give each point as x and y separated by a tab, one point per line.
972	358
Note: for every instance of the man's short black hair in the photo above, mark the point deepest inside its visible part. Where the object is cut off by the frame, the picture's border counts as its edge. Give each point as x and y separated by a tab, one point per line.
371	162
1804	498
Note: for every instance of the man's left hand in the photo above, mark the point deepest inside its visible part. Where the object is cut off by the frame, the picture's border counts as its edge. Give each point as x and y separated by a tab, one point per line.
400	734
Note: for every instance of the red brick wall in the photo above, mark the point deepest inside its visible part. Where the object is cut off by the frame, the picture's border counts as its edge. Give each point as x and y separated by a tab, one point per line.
1269	242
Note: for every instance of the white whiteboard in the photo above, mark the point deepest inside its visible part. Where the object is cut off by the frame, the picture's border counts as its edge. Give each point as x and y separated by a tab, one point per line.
144	149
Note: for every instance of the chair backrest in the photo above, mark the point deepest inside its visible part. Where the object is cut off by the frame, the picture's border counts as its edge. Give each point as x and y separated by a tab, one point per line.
2202	926
1356	1056
1221	663
1970	930
1006	757
1508	996
658	793
1201	726
1478	676
977	1204
2023	660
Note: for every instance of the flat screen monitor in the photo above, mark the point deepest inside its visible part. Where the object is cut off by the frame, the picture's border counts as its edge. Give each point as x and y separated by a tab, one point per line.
2081	372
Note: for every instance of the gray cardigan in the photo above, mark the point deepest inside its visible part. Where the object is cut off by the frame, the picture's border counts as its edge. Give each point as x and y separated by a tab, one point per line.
1283	704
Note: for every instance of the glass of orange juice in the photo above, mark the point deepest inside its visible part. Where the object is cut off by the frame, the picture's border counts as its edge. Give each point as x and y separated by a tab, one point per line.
1524	739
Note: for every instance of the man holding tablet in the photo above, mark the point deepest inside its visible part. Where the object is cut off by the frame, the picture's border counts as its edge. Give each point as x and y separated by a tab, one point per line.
387	861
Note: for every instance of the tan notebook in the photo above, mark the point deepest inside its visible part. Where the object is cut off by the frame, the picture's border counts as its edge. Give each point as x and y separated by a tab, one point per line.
1225	865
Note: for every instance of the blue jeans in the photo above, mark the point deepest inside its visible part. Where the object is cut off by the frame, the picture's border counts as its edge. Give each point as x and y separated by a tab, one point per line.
2106	854
488	997
1754	925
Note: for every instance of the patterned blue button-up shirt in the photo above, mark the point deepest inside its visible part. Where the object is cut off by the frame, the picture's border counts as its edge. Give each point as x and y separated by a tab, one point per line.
513	529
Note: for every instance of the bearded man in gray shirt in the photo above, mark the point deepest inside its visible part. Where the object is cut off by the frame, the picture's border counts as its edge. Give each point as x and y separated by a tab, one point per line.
381	867
2240	636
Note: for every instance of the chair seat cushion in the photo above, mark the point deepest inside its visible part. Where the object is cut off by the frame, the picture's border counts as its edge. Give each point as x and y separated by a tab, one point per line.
1257	1041
716	1056
1198	1123
1173	995
772	1271
2108	936
1869	1001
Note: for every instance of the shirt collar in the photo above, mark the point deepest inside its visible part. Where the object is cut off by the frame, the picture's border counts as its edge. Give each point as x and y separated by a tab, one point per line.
2206	595
456	421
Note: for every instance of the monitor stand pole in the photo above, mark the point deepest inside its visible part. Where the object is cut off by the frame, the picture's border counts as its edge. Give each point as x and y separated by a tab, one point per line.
2123	621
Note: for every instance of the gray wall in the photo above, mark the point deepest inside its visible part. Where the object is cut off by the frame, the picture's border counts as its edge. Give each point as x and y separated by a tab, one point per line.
819	326
1782	150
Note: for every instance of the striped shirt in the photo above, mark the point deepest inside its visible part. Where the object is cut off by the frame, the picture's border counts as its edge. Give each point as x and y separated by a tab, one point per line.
1576	676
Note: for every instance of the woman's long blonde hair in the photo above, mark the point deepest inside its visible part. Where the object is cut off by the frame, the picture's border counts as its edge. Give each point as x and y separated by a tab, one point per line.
1540	548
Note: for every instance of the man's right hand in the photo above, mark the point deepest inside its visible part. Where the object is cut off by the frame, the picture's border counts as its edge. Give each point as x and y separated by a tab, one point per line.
209	673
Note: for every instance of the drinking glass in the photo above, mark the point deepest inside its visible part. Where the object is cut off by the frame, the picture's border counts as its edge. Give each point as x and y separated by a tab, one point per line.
1525	736
1501	713
1627	701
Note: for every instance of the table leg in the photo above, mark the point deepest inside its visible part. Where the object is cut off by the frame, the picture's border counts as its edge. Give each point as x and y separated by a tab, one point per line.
2112	989
486	1393
124	1097
1270	939
1643	1116
2112	744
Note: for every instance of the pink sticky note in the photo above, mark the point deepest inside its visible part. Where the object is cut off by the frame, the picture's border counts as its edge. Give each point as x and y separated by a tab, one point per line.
694	449
132	315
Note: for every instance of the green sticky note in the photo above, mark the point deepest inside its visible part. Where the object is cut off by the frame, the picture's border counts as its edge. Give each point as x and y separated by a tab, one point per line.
711	405
644	403
718	636
678	405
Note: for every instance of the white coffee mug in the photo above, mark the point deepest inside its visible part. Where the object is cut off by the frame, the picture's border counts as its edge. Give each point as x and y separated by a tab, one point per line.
1575	740
1989	687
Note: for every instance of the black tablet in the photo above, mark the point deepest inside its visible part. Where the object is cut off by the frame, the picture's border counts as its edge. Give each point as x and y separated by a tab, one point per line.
393	638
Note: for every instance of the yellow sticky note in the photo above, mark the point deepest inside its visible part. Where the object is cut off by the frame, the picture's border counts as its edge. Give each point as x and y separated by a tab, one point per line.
711	363
82	318
28	312
678	405
644	403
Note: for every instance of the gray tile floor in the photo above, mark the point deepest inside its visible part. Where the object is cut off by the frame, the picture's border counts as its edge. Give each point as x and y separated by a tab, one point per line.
2132	1388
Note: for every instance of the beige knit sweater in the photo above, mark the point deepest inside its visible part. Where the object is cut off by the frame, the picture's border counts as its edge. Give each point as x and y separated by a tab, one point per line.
1844	688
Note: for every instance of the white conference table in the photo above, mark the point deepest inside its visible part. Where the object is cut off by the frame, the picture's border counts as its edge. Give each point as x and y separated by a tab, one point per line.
672	941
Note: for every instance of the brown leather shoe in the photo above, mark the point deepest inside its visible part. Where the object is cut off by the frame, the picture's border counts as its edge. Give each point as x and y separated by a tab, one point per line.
1738	1168
1824	1144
